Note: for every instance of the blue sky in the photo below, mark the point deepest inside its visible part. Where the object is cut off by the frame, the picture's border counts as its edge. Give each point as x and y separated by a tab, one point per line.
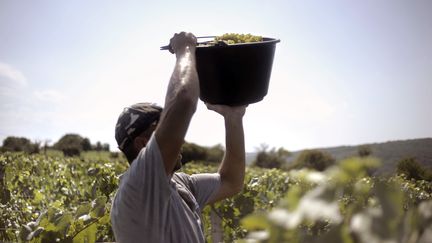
344	73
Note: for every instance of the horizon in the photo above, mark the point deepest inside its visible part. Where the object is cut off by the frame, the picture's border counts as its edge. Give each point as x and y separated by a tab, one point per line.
256	149
344	73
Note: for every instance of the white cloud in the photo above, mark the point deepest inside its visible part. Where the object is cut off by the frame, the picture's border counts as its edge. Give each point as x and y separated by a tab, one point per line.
10	76
49	95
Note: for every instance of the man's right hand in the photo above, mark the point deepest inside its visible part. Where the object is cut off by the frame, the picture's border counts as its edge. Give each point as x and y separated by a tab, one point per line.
228	112
179	42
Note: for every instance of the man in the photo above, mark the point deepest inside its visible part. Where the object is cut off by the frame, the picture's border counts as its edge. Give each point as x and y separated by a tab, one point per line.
153	203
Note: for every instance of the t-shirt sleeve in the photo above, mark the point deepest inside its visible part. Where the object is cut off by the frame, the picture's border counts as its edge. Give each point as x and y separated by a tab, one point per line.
148	172
205	185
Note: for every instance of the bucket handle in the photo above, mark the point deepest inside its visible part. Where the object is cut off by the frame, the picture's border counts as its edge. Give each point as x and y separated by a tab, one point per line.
168	47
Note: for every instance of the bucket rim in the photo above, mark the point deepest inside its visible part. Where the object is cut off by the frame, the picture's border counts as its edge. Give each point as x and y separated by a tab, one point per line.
265	41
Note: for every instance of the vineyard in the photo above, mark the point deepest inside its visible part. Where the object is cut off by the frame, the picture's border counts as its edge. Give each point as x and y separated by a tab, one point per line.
58	199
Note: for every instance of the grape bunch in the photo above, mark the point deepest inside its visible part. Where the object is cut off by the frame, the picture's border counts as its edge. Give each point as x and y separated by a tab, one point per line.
232	38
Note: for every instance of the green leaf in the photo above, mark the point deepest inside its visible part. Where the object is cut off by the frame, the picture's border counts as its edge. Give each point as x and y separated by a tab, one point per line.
62	224
38	197
98	207
88	235
38	231
293	197
105	220
32	225
391	200
86	219
82	210
25	232
255	222
92	171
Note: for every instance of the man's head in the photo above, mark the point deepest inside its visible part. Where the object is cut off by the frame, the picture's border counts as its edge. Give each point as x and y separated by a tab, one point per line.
135	126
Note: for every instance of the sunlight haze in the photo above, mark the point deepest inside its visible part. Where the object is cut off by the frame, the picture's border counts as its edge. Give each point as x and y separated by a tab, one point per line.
344	73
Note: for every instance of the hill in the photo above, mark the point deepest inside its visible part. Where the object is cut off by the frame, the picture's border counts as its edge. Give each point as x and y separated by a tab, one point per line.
390	153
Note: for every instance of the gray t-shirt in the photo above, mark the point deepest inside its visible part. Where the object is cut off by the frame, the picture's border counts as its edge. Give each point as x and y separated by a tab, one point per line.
150	207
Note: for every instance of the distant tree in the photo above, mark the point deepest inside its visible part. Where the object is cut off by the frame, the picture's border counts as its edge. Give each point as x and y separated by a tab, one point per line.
215	153
412	169
36	147
86	145
98	146
274	158
71	151
20	144
70	144
193	152
314	159
16	144
105	147
364	151
46	145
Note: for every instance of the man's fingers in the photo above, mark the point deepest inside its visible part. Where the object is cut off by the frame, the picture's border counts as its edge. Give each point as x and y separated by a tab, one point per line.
211	107
180	40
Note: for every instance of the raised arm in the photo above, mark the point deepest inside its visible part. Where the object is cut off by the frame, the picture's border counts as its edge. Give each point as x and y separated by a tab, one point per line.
180	101
232	168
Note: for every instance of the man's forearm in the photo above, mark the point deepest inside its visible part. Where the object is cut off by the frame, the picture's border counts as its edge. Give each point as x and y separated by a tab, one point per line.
180	101
232	168
184	79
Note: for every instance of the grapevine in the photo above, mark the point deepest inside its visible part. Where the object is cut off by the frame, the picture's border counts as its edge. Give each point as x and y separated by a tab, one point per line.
50	198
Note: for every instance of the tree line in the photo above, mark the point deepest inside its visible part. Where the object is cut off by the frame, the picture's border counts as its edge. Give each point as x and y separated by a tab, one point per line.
73	144
70	144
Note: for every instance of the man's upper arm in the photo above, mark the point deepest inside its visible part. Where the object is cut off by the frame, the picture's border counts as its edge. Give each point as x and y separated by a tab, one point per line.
224	191
171	130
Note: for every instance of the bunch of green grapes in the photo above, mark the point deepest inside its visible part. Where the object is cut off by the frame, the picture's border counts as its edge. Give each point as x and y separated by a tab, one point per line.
233	38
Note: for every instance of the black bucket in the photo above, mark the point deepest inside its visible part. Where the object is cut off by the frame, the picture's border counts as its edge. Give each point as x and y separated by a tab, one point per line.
236	74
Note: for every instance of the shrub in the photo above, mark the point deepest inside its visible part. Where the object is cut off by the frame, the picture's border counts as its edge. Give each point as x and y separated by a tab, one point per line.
194	152
86	145
314	159
412	169
20	144
364	151
215	153
71	151
272	158
70	144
